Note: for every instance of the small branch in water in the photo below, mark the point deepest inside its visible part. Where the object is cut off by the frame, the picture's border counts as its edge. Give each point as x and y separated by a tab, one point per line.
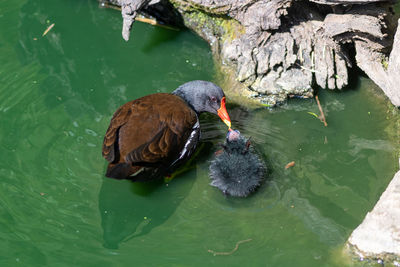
139	18
322	118
230	252
48	29
154	22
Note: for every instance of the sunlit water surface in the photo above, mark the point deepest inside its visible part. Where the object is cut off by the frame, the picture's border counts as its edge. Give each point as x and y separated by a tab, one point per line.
57	95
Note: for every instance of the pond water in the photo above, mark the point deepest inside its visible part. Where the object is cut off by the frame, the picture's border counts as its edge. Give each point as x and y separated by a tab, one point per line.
57	95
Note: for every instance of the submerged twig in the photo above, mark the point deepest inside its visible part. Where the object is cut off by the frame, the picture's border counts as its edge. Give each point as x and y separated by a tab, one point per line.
48	29
230	252
322	118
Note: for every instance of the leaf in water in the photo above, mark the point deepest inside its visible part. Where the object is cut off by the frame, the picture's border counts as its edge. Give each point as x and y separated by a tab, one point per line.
290	164
312	113
48	29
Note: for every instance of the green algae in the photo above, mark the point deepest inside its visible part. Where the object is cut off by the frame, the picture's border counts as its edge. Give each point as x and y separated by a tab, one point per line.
213	21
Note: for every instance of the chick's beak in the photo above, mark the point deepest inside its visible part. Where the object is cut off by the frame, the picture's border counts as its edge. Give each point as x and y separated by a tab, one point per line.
223	114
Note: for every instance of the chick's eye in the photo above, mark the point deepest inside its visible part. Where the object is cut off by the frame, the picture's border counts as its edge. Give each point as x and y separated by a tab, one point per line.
213	99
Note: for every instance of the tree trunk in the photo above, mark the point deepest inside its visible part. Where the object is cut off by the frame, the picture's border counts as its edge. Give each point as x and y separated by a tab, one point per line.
276	49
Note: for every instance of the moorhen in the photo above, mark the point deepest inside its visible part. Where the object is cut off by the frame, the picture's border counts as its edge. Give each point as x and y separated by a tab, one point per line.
237	170
150	137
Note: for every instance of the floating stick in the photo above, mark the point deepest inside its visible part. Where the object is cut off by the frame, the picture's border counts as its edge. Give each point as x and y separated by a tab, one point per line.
139	18
48	29
322	118
230	252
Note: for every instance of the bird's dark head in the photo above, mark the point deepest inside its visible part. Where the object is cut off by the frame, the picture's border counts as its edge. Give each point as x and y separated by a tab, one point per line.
204	96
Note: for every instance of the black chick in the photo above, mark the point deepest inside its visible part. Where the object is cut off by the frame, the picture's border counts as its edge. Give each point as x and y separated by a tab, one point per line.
236	169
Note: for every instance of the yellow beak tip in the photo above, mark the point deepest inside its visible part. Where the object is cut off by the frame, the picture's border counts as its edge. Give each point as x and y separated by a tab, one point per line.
228	123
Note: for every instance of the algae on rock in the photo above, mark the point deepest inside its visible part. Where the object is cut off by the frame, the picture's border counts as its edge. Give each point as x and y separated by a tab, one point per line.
285	48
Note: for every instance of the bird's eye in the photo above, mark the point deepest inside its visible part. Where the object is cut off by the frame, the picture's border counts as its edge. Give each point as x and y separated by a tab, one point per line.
213	99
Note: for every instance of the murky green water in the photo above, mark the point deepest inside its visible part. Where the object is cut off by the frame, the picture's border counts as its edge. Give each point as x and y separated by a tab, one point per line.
57	95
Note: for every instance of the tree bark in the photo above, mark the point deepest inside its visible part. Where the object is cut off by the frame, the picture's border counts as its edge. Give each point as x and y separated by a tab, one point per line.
277	49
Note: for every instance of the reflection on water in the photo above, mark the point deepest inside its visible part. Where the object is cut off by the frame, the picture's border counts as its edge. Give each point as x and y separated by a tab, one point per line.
57	95
326	229
359	144
129	210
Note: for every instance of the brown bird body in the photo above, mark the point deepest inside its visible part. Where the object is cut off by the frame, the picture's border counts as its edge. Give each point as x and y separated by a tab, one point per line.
152	136
142	135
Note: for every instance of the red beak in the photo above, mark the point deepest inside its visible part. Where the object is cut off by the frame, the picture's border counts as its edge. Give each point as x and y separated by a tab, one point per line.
223	114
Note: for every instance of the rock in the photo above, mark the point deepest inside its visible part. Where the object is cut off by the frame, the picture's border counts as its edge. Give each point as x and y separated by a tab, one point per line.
338	2
267	42
383	71
284	39
129	9
161	9
378	236
335	25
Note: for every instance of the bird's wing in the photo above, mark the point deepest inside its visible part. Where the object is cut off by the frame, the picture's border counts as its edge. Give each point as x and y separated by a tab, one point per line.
190	145
151	130
175	126
163	146
119	118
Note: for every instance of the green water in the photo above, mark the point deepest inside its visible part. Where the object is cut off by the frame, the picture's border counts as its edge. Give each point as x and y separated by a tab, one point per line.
57	95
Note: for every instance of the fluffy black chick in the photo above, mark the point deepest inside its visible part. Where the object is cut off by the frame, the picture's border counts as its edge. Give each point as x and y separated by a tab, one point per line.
236	169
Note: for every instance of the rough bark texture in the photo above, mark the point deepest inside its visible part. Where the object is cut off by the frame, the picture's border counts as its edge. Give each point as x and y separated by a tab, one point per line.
283	48
378	236
383	71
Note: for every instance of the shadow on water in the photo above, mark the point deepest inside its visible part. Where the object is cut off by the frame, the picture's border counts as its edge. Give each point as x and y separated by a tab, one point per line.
159	36
129	210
